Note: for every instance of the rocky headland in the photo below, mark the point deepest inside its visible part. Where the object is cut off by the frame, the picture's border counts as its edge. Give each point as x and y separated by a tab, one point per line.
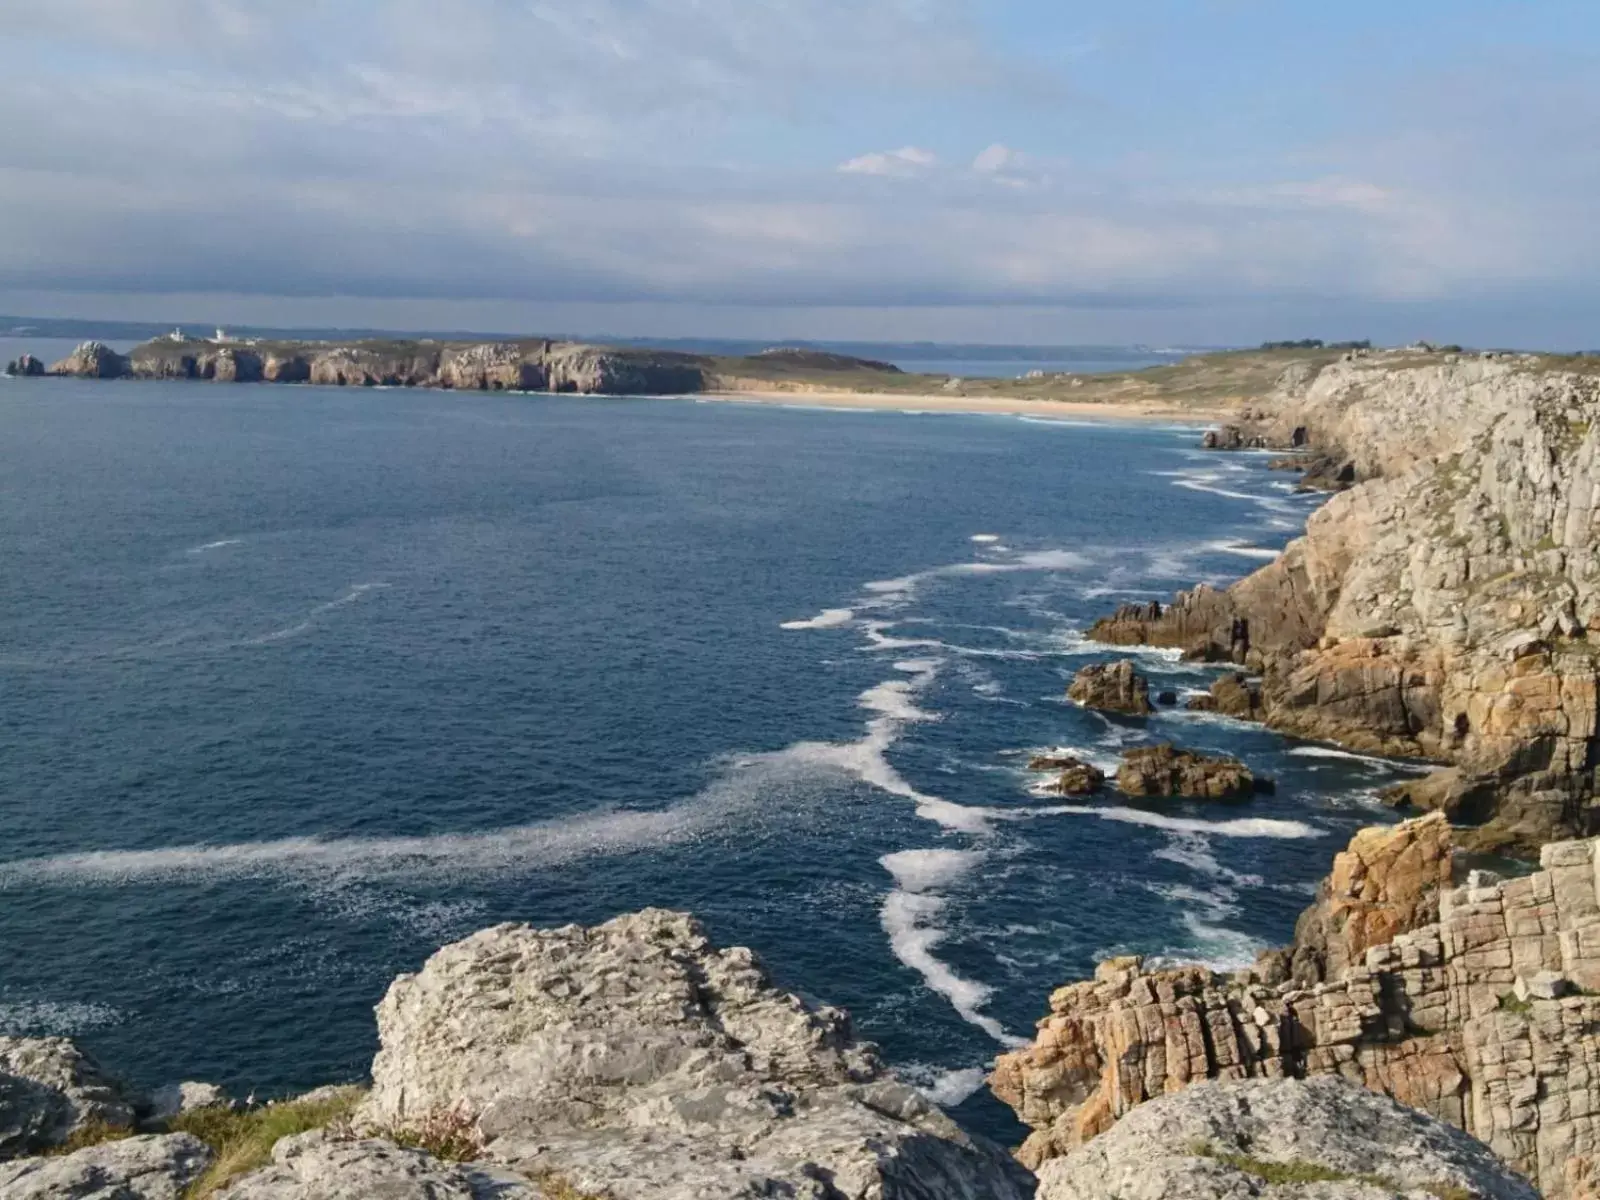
1447	605
637	1061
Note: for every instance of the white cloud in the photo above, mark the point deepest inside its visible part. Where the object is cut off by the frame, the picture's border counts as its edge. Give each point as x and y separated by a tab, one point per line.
997	158
908	160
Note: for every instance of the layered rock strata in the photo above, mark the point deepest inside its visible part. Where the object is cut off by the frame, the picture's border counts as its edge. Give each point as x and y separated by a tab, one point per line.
1446	607
1113	687
1283	1139
1487	1018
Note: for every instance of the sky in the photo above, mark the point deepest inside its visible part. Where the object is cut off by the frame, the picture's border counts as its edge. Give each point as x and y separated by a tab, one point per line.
1019	171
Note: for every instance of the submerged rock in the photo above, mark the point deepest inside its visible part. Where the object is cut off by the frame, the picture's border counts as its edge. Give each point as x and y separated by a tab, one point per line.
1284	1139
637	1061
1114	687
49	1089
138	1168
1165	770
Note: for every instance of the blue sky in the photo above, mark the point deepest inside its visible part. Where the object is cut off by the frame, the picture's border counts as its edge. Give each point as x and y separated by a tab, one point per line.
1219	171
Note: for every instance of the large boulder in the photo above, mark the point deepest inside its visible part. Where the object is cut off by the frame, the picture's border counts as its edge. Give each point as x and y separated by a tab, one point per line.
49	1089
1282	1139
1113	687
1165	771
92	360
315	1166
1233	695
138	1168
25	367
1387	882
636	1060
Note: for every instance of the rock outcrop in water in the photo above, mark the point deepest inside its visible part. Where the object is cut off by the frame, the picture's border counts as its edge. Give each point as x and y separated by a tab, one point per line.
1114	687
1284	1139
1165	771
92	360
1448	606
1487	1017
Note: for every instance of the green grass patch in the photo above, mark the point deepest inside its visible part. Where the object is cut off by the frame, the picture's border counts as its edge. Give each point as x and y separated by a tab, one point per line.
1309	1172
243	1140
1509	1003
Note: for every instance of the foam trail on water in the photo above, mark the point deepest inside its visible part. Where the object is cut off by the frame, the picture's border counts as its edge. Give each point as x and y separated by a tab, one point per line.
1243	827
911	915
1243	550
985	539
350	597
828	618
1349	756
214	545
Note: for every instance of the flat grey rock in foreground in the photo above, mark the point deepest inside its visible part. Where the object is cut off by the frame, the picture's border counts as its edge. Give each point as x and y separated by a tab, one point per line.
637	1061
141	1168
313	1166
1381	1149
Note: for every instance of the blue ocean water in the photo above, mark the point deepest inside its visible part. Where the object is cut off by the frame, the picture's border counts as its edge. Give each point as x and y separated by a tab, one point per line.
297	684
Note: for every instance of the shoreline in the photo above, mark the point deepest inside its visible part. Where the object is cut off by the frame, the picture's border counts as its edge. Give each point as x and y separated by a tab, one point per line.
1054	410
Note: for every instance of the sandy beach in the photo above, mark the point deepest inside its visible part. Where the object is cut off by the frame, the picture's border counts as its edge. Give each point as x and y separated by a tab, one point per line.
1057	410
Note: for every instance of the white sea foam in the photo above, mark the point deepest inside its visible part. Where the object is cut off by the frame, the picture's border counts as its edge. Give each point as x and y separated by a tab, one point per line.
911	919
919	871
1241	827
895	698
1370	760
214	545
49	1018
828	618
278	635
1194	852
985	539
884	592
1243	550
952	1087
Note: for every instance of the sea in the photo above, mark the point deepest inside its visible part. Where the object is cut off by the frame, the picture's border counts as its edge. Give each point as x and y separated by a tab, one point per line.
298	684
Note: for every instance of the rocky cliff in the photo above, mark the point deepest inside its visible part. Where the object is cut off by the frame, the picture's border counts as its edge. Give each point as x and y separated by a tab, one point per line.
533	365
1486	1015
1448	605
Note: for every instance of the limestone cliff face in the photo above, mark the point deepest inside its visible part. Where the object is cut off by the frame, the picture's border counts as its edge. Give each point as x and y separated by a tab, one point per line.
529	365
1486	1017
1449	605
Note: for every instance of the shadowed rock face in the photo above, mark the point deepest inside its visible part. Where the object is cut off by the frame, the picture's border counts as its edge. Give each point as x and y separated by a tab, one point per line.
48	1090
1222	1141
637	1061
1449	606
1484	1016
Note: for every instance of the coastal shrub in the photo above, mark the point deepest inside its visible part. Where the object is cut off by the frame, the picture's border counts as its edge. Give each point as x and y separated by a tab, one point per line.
1511	1004
243	1139
556	1187
450	1134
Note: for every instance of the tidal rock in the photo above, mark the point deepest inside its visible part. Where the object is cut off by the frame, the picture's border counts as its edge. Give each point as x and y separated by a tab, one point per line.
1285	1139
138	1168
25	367
1232	437
1166	771
1115	687
1081	779
1431	1018
1167	698
1232	696
92	360
48	1090
636	1060
315	1166
184	1097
